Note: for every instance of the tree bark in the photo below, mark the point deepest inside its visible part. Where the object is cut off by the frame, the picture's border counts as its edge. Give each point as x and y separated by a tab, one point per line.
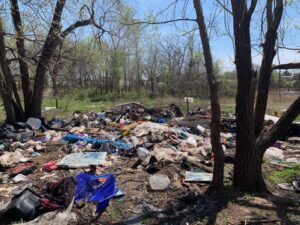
247	166
269	137
7	101
15	12
51	43
265	72
286	66
218	173
6	81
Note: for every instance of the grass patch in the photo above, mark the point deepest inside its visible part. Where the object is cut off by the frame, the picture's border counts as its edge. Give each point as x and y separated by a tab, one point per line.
249	197
91	99
283	176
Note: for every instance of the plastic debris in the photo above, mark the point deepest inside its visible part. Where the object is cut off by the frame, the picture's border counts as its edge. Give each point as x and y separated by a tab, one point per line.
34	123
25	205
83	160
274	152
36	154
97	143
19	178
198	176
95	188
159	182
144	155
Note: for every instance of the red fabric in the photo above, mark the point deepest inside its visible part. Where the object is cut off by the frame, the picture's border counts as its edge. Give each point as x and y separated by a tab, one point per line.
50	166
49	205
23	168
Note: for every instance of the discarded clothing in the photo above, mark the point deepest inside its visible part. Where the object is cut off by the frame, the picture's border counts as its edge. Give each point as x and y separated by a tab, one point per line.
50	166
60	192
20	137
97	143
95	188
25	169
10	158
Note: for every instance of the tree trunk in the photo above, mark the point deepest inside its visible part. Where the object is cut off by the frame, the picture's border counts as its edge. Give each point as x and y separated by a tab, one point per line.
51	43
125	78
6	80
266	64
247	167
54	80
15	12
248	172
7	101
269	137
218	173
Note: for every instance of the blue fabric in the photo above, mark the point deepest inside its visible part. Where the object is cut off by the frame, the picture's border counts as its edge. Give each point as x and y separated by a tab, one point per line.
97	143
91	190
161	120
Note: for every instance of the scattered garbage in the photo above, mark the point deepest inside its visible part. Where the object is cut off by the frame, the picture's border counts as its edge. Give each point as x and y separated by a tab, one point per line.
97	143
24	168
50	166
66	162
8	159
144	155
274	152
159	182
34	123
19	178
24	205
198	177
294	185
83	160
95	188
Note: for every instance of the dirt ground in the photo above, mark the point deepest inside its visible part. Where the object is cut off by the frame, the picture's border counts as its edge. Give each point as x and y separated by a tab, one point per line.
182	203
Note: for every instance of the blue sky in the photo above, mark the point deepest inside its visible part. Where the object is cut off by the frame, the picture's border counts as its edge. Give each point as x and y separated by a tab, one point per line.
221	45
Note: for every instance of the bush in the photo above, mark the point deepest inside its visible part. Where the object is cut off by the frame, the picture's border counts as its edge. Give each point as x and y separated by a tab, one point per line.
80	97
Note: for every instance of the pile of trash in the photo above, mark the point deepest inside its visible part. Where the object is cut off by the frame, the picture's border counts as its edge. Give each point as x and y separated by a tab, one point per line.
47	166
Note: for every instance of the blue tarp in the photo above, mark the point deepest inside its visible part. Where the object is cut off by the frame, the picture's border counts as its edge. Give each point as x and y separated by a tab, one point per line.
90	189
97	143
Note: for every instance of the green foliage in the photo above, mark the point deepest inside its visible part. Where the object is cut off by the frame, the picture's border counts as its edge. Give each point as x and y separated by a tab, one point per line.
297	84
95	95
197	55
80	96
284	175
150	19
276	82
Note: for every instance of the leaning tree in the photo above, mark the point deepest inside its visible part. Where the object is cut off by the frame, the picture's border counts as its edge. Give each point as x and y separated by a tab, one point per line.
253	139
32	83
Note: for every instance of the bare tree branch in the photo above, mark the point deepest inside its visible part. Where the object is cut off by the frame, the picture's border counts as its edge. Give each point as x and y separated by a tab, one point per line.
289	48
286	66
224	7
268	138
72	27
160	22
